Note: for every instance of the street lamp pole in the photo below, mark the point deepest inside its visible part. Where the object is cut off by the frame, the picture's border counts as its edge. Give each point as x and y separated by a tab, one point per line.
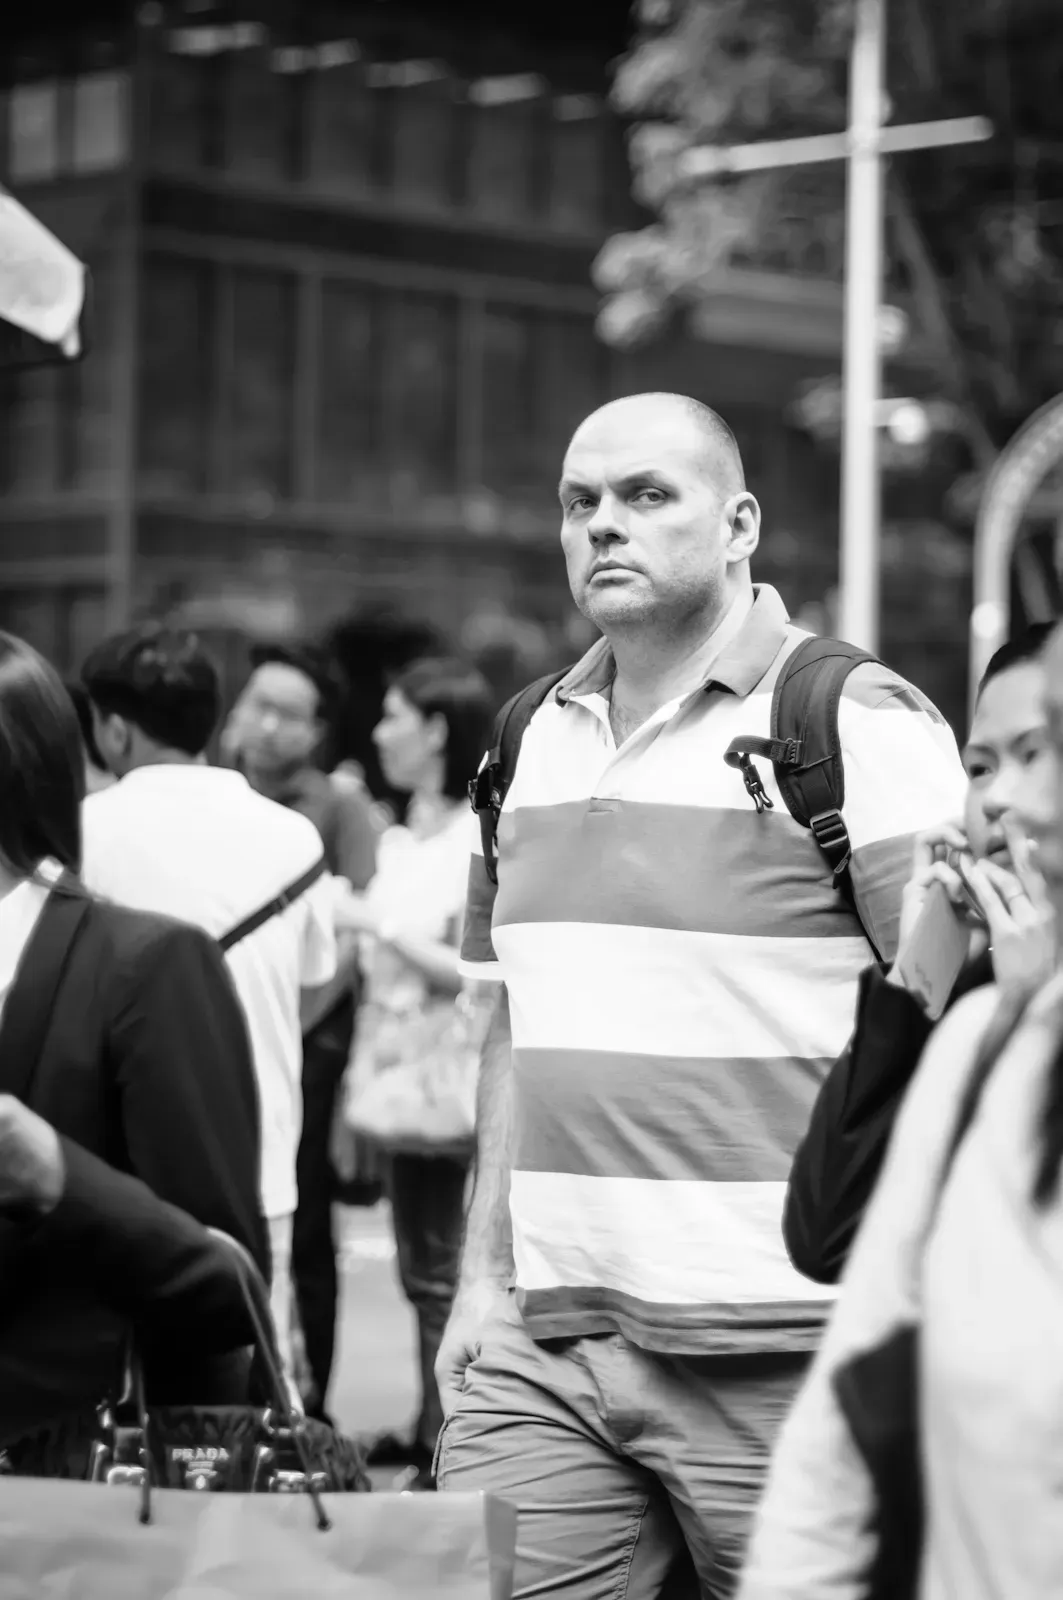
861	359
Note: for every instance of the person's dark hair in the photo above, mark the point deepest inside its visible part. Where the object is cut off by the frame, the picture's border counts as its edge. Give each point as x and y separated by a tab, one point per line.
162	681
83	707
312	662
461	695
1026	646
42	773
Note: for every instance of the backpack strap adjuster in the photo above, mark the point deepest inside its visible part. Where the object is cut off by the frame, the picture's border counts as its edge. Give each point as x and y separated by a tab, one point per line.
832	836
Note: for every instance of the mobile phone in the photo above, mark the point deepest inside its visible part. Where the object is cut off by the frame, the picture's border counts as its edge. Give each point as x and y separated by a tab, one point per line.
958	860
933	957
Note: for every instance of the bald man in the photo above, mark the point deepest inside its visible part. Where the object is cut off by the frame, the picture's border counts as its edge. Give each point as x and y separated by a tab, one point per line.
676	972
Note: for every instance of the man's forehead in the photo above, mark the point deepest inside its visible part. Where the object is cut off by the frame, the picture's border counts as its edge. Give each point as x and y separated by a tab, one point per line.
282	680
624	447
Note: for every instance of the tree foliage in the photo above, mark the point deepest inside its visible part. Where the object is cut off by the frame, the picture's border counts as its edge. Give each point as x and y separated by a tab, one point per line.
974	235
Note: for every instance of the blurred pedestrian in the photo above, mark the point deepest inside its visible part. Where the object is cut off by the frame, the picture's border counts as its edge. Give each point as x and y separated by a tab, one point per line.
436	717
122	1031
679	967
280	722
197	842
938	1475
1012	943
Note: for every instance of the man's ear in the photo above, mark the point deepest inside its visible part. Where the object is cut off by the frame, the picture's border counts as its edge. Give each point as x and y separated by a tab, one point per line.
742	513
113	737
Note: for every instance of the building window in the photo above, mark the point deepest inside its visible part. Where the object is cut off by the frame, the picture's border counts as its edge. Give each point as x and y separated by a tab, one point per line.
350	398
100	141
179	104
513	453
575	382
33	132
259	118
505	144
576	168
174	427
30	448
423	127
343	120
422	400
256	460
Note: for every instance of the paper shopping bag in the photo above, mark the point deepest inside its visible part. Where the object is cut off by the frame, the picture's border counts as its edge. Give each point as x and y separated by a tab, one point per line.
83	1541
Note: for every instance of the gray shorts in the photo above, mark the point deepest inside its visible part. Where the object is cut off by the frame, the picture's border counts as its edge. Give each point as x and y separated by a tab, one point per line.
615	1458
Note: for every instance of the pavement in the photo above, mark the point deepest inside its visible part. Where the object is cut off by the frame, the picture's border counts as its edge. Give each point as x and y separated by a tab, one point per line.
375	1381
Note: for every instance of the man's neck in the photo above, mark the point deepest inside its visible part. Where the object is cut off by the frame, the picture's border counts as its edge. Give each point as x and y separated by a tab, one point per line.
276	785
166	758
651	671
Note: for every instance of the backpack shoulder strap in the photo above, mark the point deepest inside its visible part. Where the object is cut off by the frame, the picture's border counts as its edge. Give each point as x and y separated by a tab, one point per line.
810	771
488	790
805	749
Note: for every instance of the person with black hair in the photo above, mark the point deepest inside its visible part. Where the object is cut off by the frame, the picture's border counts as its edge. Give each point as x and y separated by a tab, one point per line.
436	718
197	842
278	726
121	1031
97	773
838	1161
962	1247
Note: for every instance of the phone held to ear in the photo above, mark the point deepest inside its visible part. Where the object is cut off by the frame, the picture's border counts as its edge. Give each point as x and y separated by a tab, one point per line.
958	860
934	955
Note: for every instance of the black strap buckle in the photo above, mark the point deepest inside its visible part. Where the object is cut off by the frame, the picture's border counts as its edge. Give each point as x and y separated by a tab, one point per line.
832	836
754	787
484	793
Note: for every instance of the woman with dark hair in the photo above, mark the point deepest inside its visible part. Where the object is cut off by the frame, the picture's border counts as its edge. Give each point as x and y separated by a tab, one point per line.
430	739
924	1455
122	1032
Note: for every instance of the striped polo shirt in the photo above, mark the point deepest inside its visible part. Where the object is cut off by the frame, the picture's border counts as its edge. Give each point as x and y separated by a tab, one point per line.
682	972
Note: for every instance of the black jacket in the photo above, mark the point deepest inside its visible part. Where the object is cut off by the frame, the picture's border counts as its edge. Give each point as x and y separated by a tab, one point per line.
123	1030
838	1162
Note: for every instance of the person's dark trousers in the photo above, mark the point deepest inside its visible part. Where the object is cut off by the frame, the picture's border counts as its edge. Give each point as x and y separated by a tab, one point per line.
427	1196
314	1272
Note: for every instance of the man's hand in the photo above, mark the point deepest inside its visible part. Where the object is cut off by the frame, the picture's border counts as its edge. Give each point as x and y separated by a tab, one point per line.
32	1172
474	1306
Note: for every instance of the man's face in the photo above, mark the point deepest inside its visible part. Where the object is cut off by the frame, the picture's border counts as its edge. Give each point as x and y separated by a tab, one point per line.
277	715
647	534
1044	820
1008	763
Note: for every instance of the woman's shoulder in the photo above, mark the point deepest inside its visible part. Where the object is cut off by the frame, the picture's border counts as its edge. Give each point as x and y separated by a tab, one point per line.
132	936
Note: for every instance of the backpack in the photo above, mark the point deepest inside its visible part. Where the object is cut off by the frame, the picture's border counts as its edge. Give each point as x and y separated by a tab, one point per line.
804	747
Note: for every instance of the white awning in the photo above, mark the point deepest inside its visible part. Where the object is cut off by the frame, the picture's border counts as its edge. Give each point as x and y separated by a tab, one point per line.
42	284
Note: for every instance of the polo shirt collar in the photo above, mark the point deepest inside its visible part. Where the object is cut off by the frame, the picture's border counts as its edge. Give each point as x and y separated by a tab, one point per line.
739	667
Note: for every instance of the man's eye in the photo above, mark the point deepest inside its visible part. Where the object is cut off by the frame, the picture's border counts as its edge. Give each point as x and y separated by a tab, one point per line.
580	502
651	497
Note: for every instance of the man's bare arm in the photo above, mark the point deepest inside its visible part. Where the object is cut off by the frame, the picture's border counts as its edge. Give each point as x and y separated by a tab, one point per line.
488	1253
487	1263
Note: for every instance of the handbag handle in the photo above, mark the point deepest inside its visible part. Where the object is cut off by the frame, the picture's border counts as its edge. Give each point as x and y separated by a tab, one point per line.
256	1302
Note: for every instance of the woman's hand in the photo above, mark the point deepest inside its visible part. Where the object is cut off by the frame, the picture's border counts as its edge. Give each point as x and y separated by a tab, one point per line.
1022	930
930	866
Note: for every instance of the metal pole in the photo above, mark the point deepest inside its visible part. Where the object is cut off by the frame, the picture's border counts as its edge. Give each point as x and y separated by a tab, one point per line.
860	367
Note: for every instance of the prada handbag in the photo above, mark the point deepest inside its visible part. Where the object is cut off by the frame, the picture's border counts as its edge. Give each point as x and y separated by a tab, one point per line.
241	1503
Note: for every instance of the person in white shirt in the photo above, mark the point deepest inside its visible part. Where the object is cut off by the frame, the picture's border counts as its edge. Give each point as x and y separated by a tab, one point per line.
197	842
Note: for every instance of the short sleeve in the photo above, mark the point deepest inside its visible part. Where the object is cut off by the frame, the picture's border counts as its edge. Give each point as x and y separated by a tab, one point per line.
478	958
355	839
318	955
903	775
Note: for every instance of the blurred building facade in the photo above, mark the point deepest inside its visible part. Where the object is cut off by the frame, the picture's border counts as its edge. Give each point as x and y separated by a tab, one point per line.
343	321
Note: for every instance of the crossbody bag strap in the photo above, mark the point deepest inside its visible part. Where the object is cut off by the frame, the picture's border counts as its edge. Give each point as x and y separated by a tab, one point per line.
274	907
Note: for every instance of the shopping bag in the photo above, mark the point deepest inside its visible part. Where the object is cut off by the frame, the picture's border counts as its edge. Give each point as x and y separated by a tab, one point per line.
414	1076
83	1541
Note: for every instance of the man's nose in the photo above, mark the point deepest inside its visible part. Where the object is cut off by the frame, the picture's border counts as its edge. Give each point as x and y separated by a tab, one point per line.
605	523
